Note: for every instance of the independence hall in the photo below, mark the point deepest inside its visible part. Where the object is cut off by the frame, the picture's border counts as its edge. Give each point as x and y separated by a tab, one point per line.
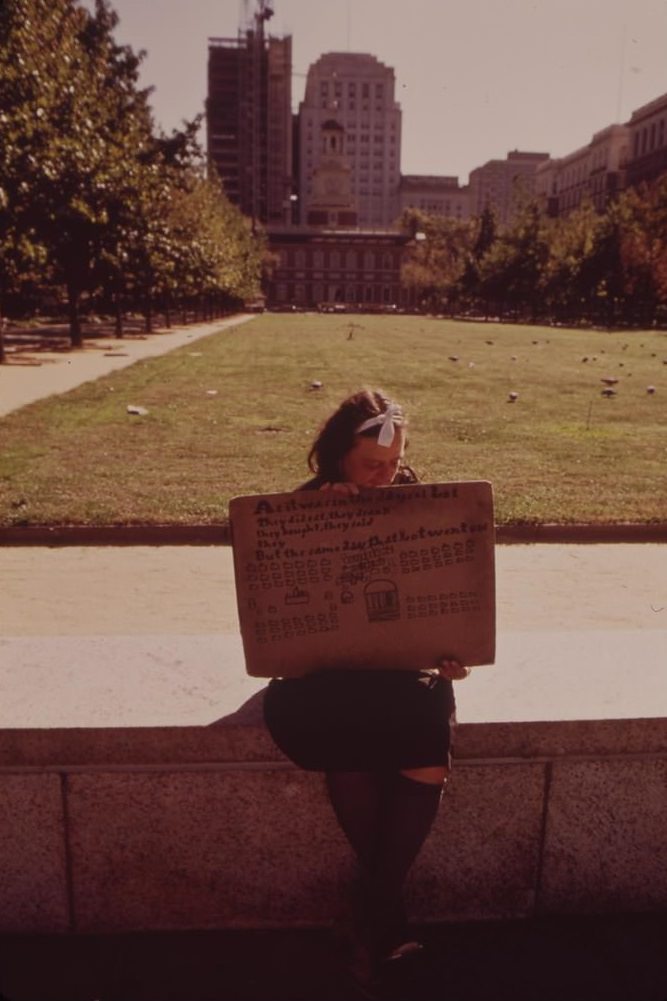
357	269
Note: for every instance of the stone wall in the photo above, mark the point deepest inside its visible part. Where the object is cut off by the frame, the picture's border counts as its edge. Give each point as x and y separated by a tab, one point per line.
210	827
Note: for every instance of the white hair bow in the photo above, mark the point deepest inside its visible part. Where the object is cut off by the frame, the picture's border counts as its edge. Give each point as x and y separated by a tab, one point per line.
387	430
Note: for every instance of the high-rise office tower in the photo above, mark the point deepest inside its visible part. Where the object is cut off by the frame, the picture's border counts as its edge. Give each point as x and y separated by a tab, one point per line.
504	185
354	92
249	118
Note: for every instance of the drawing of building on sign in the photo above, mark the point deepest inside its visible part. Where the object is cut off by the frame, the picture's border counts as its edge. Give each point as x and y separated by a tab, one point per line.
297	596
382	601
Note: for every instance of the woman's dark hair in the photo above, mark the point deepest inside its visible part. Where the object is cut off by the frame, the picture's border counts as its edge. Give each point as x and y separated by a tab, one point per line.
337	435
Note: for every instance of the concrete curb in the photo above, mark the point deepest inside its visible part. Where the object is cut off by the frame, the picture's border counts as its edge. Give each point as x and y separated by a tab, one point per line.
116	535
219	535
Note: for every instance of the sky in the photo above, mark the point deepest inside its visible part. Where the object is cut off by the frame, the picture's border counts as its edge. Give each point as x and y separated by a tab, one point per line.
474	78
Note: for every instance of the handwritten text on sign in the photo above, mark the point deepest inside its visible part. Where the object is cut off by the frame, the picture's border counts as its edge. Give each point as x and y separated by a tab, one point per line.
398	577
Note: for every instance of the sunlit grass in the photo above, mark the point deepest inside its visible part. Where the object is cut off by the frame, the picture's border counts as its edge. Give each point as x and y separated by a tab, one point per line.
235	414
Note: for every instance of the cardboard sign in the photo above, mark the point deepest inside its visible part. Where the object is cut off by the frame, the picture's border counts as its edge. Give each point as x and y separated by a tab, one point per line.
396	577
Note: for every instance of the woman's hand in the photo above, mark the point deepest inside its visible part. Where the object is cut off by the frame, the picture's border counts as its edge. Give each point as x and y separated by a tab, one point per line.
452	670
349	489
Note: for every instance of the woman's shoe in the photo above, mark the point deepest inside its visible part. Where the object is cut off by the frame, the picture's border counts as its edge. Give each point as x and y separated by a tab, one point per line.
409	948
355	938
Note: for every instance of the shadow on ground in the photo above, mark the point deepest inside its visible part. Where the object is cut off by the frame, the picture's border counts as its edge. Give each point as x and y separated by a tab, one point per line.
612	958
20	342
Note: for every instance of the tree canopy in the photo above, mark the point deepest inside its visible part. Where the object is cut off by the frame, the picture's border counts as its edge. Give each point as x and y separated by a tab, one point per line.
92	199
608	268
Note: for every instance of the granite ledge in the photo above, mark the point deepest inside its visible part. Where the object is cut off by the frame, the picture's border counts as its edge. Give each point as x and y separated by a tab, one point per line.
236	740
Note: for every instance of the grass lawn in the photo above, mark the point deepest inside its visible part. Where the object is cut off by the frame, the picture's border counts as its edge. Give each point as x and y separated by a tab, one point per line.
234	414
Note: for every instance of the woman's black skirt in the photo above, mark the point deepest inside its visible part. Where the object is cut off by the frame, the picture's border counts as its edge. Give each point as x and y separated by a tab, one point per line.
362	720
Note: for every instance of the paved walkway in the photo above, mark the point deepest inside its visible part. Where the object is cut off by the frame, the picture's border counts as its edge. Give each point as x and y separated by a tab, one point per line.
148	636
33	375
572	958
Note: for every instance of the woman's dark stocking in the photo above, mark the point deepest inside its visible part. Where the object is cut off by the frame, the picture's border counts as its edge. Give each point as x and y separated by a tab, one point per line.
386	818
357	799
408	816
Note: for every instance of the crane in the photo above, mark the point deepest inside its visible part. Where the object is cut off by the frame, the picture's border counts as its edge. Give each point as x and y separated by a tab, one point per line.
264	12
253	27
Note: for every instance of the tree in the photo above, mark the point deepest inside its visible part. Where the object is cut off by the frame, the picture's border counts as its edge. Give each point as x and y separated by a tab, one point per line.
90	196
74	122
643	250
485	236
512	269
21	121
567	281
219	255
436	258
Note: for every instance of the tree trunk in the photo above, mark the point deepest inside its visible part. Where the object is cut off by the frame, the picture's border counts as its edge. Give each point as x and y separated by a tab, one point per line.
118	311
75	332
3	327
148	317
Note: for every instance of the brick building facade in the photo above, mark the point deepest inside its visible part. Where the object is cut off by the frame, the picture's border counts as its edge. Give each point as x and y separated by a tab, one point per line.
341	269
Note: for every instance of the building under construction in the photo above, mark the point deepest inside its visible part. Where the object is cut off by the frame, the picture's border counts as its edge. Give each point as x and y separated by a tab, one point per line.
249	117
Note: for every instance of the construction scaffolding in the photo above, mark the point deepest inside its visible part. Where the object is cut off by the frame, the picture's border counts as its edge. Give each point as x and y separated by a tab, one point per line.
249	117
